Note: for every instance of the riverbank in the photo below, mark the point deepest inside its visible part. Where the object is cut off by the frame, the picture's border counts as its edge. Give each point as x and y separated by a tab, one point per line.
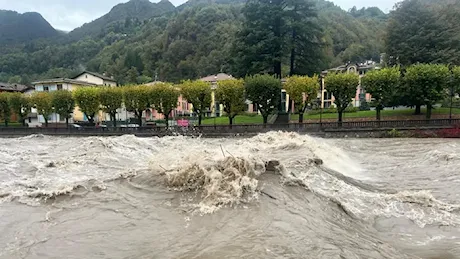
249	131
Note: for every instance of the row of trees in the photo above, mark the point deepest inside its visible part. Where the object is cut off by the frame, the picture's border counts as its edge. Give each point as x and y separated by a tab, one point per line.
263	90
417	85
90	100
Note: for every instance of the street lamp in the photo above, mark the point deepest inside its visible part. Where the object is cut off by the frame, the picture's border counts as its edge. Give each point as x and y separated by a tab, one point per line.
321	104
451	100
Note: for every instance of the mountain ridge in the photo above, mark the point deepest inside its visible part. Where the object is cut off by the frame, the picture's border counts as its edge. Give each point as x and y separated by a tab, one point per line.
189	41
16	27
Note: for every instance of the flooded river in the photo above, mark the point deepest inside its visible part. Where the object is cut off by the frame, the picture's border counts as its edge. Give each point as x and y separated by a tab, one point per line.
276	195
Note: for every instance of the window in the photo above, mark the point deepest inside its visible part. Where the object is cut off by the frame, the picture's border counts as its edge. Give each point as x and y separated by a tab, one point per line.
86	76
327	95
46	88
30	119
327	104
59	86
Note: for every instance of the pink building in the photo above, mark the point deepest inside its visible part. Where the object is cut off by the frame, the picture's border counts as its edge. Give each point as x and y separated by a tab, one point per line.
183	108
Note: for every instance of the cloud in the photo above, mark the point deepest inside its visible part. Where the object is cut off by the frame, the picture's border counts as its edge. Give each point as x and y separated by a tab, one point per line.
70	14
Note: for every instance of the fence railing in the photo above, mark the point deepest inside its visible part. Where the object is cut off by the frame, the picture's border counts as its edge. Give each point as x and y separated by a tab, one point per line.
253	128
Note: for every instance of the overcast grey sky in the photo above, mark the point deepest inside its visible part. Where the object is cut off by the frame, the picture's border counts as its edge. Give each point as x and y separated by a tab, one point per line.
69	14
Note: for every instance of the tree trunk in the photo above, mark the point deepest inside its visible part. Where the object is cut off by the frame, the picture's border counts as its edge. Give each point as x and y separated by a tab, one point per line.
418	109
139	120
265	117
67	121
429	108
300	118
6	123
230	119
340	118
167	119
199	119
46	122
23	120
378	109
113	117
292	69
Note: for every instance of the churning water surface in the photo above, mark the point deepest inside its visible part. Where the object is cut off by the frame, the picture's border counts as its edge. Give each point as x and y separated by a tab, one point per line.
276	195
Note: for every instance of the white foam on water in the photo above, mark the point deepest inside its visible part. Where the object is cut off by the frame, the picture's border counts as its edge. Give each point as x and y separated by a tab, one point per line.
224	172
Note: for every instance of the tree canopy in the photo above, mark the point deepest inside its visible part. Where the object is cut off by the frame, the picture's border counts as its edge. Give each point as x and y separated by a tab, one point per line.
164	99
418	32
63	104
111	100
343	87
231	94
302	90
87	99
20	105
265	92
198	93
382	85
5	108
43	102
136	100
426	84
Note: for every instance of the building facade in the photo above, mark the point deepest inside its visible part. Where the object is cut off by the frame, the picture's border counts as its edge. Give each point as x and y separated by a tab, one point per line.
327	98
96	79
51	85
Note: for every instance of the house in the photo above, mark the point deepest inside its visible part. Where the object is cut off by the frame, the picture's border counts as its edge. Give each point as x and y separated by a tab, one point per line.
216	108
183	108
85	78
327	99
51	85
13	87
96	79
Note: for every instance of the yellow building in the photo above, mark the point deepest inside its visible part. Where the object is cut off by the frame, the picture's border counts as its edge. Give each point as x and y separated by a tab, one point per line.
216	109
51	85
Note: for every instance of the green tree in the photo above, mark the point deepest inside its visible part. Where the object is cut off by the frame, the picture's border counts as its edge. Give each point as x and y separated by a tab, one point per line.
302	90
15	79
87	99
20	104
63	104
111	99
132	75
343	88
231	94
382	85
304	37
265	92
415	34
198	93
5	107
426	84
164	98
260	44
456	79
137	100
43	102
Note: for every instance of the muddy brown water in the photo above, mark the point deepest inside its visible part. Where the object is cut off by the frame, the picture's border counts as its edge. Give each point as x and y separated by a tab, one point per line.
181	197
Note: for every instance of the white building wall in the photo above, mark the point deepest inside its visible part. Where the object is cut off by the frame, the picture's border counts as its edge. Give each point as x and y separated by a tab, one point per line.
86	77
110	83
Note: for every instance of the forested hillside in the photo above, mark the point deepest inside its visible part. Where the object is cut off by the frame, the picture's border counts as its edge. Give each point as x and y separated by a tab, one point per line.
139	41
17	28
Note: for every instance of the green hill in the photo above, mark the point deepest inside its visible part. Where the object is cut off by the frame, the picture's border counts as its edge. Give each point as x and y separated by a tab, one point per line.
123	16
194	40
19	28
